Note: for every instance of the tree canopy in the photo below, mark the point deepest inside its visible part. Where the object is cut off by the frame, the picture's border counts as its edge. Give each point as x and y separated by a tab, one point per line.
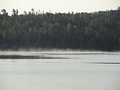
86	31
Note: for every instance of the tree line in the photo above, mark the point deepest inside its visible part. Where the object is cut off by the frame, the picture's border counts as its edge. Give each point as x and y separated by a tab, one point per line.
86	31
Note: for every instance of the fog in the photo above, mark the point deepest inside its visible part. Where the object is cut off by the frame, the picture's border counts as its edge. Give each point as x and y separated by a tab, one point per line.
54	51
89	57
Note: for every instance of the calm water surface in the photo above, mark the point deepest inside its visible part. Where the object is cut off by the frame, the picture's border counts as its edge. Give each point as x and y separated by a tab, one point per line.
77	71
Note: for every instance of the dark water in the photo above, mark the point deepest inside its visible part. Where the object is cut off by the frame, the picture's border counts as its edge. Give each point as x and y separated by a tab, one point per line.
59	71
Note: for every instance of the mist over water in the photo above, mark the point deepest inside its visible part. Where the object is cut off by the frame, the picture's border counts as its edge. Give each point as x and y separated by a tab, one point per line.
59	70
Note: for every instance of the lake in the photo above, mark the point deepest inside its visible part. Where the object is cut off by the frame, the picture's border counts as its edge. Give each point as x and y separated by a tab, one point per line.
59	70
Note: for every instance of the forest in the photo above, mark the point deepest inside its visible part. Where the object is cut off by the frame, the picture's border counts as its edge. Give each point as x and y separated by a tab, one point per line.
84	31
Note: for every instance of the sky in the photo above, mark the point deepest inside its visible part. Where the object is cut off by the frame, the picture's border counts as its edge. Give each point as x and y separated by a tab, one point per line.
59	5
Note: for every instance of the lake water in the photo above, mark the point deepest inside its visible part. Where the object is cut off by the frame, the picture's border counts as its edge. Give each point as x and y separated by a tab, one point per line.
59	71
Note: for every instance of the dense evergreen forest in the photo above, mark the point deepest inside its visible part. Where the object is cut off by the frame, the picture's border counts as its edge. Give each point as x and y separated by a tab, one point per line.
85	31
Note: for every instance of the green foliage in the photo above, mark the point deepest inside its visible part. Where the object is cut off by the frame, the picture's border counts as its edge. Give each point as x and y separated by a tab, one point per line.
91	31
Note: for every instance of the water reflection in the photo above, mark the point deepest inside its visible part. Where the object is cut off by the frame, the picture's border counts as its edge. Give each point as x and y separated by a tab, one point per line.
38	71
27	57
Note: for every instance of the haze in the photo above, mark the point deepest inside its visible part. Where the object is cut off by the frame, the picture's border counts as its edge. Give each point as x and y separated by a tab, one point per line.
59	5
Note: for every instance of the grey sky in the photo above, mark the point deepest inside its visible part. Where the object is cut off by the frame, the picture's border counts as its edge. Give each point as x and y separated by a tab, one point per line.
59	5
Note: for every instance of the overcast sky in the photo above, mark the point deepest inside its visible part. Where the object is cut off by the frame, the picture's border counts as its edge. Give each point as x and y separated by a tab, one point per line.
59	5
